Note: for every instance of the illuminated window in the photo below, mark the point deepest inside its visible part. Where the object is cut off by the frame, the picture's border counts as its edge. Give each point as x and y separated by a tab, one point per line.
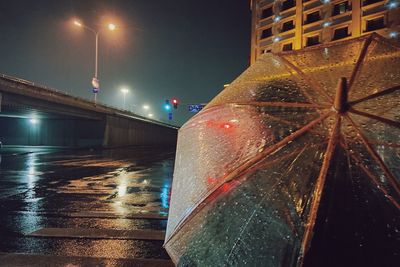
288	4
287	26
375	24
341	33
368	2
276	39
287	47
341	8
266	33
312	40
266	13
393	34
312	17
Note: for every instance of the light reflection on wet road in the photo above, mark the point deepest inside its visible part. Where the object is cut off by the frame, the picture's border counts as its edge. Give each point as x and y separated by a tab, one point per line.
94	189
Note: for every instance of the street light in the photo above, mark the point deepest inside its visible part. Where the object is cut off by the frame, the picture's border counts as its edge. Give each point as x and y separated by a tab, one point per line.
95	80
146	107
150	115
124	92
111	26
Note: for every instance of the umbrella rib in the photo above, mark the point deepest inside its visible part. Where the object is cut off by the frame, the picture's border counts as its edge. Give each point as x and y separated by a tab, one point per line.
384	110
282	104
262	103
360	59
278	145
247	165
274	118
319	187
371	176
381	93
378	118
279	182
309	80
392	180
381	39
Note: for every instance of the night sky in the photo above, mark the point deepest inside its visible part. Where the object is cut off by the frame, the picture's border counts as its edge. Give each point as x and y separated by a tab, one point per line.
162	49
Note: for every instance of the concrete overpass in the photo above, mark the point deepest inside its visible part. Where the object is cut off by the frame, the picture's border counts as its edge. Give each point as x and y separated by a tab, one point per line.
32	114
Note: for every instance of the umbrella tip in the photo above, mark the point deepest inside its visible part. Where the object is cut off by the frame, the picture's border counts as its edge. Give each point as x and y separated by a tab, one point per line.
340	104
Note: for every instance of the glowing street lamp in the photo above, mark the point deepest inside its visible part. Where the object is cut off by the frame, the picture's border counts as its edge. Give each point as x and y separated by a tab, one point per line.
111	27
146	107
150	115
95	80
124	91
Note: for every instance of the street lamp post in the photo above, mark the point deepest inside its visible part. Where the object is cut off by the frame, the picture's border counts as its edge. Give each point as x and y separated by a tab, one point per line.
124	92
95	80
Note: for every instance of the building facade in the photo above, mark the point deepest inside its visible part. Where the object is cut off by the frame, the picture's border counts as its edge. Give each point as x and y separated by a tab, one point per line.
283	25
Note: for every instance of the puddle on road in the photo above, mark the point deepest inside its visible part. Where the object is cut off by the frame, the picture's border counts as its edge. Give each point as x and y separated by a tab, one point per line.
93	163
63	184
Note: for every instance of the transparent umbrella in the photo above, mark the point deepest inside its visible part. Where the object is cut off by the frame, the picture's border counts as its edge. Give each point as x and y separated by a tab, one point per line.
295	163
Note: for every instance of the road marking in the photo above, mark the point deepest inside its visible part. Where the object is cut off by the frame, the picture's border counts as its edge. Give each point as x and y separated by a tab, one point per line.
99	215
99	233
37	260
115	216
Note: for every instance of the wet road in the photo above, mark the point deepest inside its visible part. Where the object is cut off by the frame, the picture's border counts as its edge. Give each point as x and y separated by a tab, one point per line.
86	207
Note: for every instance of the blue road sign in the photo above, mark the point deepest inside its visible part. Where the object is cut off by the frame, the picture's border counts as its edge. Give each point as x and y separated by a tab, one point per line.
170	116
195	107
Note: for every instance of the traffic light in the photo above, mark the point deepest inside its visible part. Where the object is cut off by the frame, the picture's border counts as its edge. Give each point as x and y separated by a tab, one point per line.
167	105
175	102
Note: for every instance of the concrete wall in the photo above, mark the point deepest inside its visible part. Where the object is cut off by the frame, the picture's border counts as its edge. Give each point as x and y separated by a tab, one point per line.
112	131
122	131
51	132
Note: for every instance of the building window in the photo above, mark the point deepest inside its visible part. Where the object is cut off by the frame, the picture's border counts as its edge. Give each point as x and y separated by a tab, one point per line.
375	24
312	40
312	17
369	2
341	8
341	33
266	33
287	47
266	13
287	26
288	4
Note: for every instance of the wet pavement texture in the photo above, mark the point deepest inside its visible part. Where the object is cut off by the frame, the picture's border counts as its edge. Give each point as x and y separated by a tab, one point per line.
84	207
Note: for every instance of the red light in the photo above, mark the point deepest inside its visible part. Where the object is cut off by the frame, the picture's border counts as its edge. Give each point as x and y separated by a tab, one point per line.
174	101
226	187
226	125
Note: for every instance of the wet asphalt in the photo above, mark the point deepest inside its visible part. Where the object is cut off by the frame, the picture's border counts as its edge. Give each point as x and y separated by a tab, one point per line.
87	207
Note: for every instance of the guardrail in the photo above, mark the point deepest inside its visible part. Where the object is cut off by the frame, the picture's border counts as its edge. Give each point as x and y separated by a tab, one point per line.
116	111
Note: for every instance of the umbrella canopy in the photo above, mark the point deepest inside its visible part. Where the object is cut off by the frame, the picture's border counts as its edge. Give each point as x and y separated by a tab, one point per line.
295	163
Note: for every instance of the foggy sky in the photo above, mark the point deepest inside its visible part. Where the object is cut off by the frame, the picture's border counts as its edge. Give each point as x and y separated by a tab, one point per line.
162	48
